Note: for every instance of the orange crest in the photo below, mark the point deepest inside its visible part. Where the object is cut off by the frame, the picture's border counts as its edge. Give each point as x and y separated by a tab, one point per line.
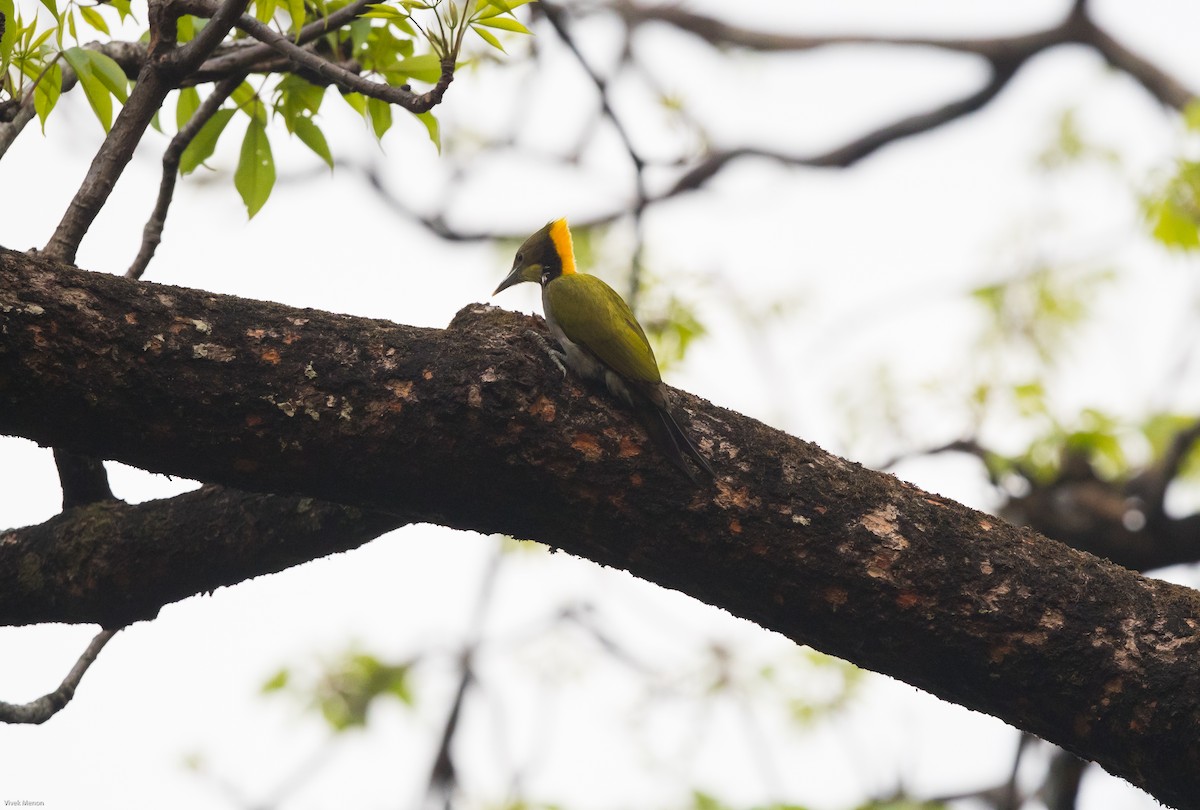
560	235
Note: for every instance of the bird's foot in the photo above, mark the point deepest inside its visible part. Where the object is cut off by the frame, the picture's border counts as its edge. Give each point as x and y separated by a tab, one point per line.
557	357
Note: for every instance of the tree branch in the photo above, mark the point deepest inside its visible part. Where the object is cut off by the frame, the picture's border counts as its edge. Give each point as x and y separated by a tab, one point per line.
80	565
1077	28
347	80
1157	82
245	57
152	232
470	427
153	84
45	707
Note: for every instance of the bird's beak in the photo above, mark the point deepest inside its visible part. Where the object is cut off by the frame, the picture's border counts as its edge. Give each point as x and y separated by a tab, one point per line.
512	278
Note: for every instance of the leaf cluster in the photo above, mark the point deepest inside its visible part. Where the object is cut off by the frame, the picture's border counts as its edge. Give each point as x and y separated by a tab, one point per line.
396	42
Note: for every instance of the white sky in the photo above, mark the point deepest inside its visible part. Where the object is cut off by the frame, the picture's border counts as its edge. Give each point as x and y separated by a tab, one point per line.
875	259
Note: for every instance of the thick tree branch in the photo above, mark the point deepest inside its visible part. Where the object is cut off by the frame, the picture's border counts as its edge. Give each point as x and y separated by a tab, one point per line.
48	705
84	480
470	427
116	563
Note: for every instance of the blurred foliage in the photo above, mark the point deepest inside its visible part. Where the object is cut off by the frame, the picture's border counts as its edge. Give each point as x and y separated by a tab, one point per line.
813	686
1037	310
1173	208
346	688
704	801
1070	147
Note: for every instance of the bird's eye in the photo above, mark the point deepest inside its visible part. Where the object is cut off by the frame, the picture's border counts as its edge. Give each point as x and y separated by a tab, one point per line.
545	276
520	257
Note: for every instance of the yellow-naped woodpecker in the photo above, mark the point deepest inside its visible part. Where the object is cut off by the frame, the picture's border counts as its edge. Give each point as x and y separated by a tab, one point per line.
600	337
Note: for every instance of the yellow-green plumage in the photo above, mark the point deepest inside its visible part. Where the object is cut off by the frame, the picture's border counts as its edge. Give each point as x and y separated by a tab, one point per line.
592	315
600	337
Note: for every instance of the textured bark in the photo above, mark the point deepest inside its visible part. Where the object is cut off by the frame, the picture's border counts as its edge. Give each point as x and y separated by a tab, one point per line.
115	563
473	427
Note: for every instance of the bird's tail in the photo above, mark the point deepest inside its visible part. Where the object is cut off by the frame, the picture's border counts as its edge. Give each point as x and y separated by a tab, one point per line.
674	441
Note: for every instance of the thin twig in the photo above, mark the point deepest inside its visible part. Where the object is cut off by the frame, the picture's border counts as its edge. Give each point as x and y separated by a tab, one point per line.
45	707
152	233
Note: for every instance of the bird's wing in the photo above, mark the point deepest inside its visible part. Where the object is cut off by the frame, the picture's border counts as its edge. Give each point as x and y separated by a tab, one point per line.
608	329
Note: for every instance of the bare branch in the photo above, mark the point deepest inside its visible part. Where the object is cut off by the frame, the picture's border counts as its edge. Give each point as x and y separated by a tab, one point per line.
721	34
152	233
1156	81
45	707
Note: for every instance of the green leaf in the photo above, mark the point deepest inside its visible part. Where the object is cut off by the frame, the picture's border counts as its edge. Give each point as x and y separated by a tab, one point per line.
357	102
424	68
296	97
277	681
122	7
48	91
186	106
381	116
10	32
307	131
205	142
264	10
248	102
37	43
1191	115
97	94
432	127
489	38
93	18
255	174
505	23
185	28
109	73
53	6
295	10
382	12
1172	226
499	7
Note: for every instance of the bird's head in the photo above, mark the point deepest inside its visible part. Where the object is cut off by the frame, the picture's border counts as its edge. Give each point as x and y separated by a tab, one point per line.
543	257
